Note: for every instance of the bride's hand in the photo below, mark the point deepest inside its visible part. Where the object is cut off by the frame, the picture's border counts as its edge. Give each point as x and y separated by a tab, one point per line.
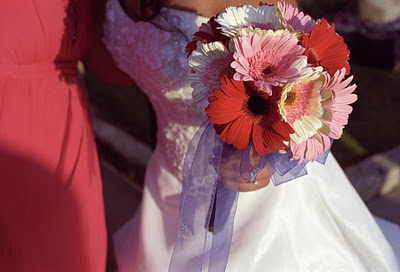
261	181
229	173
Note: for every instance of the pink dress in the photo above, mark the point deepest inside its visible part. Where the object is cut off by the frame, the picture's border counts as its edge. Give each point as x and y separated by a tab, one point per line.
51	203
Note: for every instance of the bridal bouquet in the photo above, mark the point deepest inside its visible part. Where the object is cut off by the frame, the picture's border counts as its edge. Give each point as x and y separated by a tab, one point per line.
273	83
274	78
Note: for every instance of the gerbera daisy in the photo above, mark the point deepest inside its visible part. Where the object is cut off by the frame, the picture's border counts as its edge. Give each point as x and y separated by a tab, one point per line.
310	149
336	95
245	16
300	104
242	115
343	96
270	58
207	33
209	62
324	47
295	19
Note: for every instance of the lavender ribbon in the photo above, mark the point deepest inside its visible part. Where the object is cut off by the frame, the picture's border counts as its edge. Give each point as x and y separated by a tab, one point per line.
209	179
209	198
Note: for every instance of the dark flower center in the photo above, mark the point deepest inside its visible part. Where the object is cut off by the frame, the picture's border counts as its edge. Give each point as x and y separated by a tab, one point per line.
257	105
268	70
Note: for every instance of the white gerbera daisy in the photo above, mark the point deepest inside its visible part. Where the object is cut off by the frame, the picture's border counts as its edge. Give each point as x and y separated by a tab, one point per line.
245	16
208	62
301	106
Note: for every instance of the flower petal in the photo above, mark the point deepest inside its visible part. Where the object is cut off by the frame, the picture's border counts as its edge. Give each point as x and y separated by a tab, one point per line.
326	48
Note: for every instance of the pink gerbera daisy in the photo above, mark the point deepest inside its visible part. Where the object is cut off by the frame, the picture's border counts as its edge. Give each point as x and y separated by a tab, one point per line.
336	95
269	58
343	96
297	20
310	149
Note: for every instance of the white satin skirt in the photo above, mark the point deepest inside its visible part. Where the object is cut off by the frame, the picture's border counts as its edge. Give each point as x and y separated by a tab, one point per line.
314	223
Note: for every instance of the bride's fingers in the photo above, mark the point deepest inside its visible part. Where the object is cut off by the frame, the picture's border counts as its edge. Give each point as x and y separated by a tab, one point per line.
230	179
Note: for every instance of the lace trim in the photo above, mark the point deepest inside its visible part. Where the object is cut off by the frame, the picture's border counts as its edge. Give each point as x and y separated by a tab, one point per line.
153	55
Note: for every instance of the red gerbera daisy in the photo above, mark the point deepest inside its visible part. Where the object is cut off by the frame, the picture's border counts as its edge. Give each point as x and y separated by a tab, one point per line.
242	114
207	33
324	47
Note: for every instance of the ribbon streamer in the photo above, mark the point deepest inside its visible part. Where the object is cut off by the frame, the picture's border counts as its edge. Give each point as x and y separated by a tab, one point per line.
211	178
212	175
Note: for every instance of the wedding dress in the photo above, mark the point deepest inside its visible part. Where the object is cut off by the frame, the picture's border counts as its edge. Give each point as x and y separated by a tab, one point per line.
314	223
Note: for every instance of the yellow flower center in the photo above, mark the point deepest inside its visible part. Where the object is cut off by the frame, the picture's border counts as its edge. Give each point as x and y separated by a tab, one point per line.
291	100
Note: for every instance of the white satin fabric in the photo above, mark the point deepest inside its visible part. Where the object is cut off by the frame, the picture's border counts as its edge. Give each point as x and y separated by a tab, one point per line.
314	223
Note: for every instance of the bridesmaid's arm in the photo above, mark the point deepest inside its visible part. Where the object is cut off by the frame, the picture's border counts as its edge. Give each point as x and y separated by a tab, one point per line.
98	60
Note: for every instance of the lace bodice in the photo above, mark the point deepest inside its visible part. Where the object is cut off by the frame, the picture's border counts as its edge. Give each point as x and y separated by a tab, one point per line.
153	55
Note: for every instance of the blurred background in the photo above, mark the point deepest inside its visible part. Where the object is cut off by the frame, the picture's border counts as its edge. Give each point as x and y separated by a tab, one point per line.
369	150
